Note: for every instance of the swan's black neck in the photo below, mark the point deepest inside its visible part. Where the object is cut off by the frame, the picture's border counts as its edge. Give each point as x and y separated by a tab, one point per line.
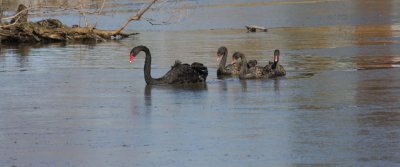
274	65
222	63
243	68
147	64
276	59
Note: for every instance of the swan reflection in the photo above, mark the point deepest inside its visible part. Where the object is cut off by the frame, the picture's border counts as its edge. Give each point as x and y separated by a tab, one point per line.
178	92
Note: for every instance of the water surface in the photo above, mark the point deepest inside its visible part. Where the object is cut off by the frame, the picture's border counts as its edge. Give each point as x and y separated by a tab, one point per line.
69	104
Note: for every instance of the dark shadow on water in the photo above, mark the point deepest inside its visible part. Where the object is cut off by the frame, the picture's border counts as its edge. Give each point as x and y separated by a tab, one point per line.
31	45
243	84
147	99
147	95
176	89
225	79
276	85
222	77
24	49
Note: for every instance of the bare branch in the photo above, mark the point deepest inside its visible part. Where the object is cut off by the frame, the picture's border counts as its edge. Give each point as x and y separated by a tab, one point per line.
135	17
17	14
167	12
98	14
55	30
60	7
10	25
87	24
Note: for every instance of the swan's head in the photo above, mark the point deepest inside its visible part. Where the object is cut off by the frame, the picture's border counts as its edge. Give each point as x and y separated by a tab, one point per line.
221	52
135	51
236	56
276	55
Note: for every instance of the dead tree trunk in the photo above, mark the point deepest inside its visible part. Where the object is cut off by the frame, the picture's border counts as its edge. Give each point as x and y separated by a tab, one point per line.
52	30
21	15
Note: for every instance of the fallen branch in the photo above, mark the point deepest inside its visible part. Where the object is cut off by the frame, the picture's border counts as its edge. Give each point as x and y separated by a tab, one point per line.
52	30
19	30
134	17
253	28
98	14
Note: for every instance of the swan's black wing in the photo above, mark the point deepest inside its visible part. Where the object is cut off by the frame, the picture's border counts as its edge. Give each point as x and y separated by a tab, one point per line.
200	69
251	63
278	71
185	73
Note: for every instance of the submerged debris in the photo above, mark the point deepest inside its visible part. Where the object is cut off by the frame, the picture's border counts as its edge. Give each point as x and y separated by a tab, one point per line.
253	28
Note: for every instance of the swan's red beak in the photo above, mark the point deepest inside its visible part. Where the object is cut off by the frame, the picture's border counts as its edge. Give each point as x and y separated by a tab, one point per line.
131	58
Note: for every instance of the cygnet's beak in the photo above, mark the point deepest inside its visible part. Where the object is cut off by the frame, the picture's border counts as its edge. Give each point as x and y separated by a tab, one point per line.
218	57
233	61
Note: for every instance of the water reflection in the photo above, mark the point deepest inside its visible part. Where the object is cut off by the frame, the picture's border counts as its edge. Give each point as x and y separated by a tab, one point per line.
147	98
176	92
276	85
385	56
243	85
88	99
22	50
375	137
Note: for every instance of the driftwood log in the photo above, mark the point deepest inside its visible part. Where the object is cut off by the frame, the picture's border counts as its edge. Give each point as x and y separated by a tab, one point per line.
253	28
19	30
52	30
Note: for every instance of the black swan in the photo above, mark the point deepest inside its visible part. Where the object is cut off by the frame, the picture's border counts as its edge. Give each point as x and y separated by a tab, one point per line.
230	69
273	69
222	55
179	73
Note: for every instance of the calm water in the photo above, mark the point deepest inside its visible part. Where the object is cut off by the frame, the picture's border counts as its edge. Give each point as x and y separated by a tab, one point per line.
85	105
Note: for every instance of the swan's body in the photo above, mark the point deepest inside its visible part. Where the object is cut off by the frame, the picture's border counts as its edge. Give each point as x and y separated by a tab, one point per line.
178	74
232	69
275	69
272	70
275	72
